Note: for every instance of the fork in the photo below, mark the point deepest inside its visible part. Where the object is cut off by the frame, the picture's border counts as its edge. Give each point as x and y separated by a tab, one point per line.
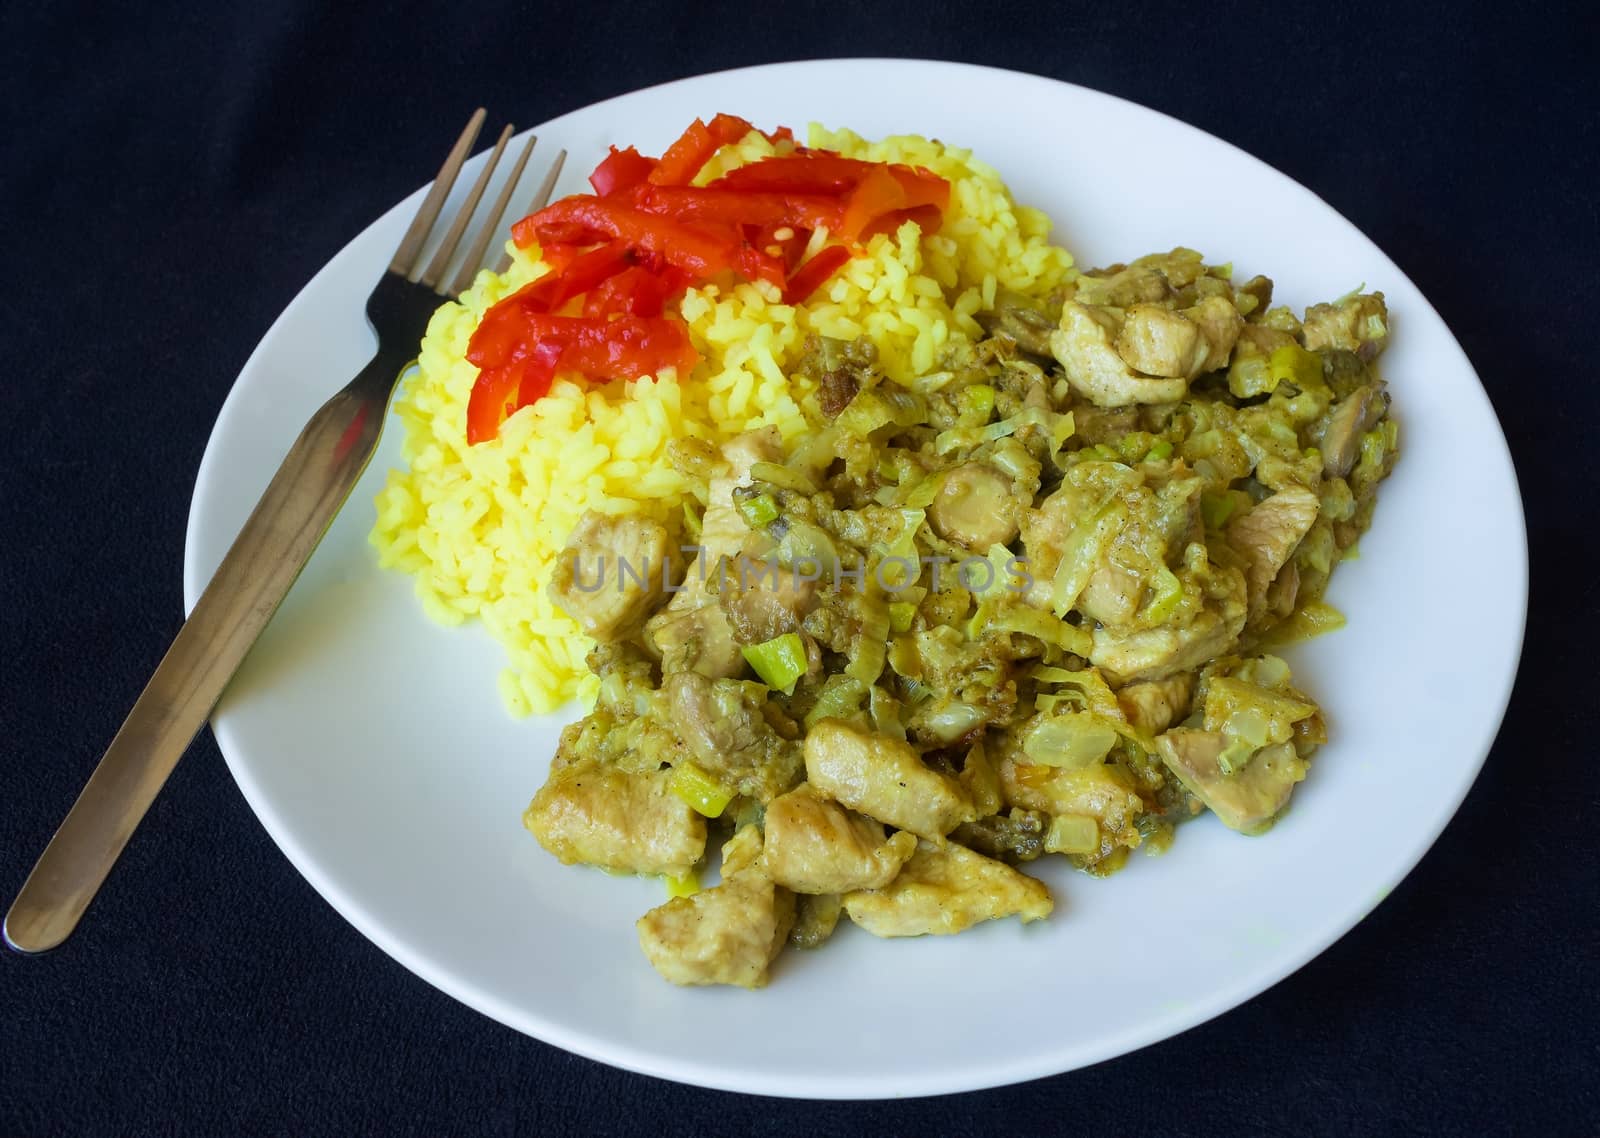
275	543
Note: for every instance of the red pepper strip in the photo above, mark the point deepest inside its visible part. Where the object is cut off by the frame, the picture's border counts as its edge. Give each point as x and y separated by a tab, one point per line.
814	273
694	149
756	264
877	194
740	207
631	346
928	217
700	251
796	174
539	371
782	134
500	338
555	255
636	291
728	129
683	159
824	173
790	248
551	291
624	348
491	400
922	187
620	170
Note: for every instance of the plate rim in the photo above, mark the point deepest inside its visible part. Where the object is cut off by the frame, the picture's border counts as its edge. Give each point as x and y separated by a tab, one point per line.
621	1053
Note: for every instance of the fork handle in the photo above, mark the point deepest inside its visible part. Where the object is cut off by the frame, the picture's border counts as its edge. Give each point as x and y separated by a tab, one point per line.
276	542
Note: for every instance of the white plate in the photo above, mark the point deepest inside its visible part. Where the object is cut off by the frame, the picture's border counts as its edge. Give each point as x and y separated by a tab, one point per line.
373	746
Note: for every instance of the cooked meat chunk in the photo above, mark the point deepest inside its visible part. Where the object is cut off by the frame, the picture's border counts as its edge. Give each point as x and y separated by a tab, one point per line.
1113	595
621	821
693	634
1151	279
1016	836
835	390
840	367
1282	593
1260	339
744	852
1267	534
1357	324
815	916
729	934
1247	800
817	846
1083	346
612	574
723	530
1160	341
1156	653
1123	286
1157	341
1353	416
1023	321
1089	515
1254	296
975	507
883	778
1220	324
725	730
981	781
945	889
764	600
1095	425
1155	705
1100	791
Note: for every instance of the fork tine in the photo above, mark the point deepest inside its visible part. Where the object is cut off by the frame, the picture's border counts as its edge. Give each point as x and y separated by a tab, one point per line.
422	224
540	200
441	260
491	224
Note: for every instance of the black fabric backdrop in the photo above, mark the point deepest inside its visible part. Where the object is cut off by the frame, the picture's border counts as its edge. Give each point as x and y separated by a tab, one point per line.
173	175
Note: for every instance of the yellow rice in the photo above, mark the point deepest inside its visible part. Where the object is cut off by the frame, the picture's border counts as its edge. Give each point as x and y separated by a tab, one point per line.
480	527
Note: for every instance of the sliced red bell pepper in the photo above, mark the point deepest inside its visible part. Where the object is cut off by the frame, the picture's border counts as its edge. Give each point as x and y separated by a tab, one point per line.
928	217
811	276
756	264
819	172
699	250
631	346
539	371
620	170
922	187
741	207
875	195
551	291
623	348
492	397
636	292
558	256
796	174
501	337
694	149
790	247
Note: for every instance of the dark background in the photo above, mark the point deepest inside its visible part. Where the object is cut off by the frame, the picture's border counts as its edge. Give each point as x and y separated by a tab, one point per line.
171	178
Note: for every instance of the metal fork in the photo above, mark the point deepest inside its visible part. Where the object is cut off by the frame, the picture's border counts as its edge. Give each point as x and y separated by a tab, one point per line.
276	542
